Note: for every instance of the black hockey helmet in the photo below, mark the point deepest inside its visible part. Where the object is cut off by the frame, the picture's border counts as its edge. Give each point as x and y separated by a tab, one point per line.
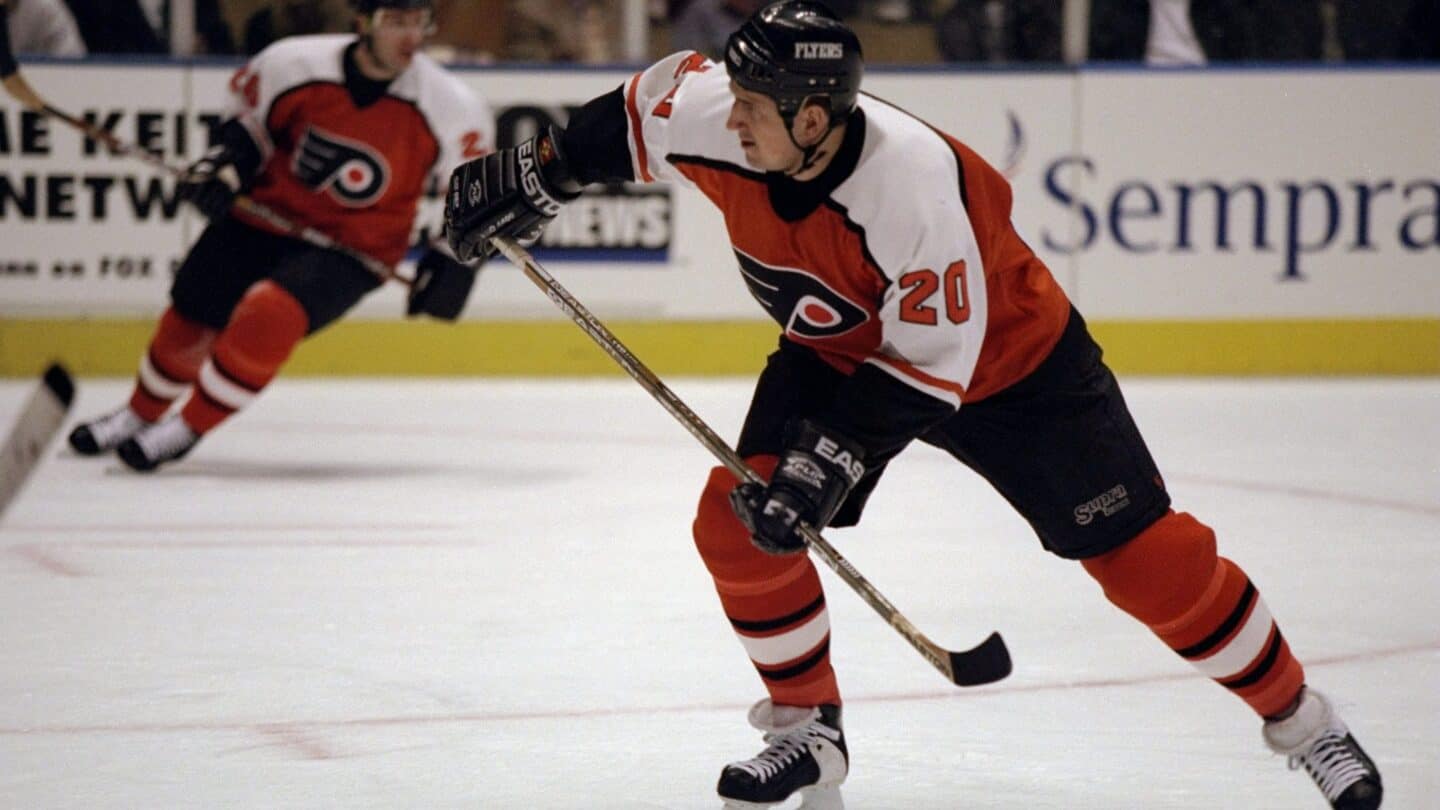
372	6
793	50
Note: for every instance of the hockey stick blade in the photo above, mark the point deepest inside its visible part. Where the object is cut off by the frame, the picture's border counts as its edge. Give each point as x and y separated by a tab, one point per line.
40	419
987	662
60	384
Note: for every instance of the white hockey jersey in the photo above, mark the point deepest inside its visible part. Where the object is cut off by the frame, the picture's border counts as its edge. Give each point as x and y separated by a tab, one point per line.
355	173
909	262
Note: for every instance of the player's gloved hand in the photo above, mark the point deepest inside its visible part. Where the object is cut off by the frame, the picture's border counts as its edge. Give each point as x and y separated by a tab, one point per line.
212	182
817	470
441	286
513	192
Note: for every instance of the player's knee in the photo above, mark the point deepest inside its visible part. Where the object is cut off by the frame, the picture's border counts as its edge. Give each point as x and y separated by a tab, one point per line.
1160	573
181	345
269	319
723	541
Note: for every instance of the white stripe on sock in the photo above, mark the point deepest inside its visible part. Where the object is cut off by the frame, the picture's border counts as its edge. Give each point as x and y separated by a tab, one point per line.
221	389
789	645
1232	658
157	383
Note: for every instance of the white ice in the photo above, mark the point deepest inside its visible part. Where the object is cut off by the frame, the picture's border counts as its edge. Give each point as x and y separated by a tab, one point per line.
483	594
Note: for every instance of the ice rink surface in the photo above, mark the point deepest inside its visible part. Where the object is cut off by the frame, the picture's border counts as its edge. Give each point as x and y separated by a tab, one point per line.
483	594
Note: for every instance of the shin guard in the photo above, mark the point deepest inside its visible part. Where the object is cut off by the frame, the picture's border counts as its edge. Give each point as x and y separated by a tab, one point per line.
170	364
265	328
774	603
1204	608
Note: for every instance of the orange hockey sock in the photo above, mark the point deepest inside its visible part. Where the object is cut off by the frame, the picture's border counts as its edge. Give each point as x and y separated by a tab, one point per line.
1204	608
775	603
170	364
265	328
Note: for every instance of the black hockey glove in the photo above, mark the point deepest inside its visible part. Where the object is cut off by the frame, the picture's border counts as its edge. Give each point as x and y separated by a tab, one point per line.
513	192
816	471
212	182
441	286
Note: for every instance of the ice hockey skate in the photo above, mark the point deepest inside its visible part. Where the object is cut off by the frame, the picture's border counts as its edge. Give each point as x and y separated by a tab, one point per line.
805	752
167	440
1317	739
104	433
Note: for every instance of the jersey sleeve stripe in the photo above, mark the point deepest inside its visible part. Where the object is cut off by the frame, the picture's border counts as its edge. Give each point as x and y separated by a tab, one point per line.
637	134
944	390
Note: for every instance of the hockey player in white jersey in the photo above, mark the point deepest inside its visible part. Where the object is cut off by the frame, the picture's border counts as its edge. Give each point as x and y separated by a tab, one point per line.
911	309
341	134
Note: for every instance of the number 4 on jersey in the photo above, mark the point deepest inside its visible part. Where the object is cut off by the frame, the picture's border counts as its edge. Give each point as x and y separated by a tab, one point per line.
694	63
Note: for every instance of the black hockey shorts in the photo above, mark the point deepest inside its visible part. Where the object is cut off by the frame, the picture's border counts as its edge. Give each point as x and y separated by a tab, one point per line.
230	257
1060	445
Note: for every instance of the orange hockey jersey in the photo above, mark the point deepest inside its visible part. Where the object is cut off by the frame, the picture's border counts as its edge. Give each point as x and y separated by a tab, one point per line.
355	173
909	262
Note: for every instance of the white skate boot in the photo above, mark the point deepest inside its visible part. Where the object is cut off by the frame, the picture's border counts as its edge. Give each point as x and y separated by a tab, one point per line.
1315	737
104	433
805	752
167	440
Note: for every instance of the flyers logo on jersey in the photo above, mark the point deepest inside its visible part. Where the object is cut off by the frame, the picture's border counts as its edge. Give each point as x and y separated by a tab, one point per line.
799	301
353	173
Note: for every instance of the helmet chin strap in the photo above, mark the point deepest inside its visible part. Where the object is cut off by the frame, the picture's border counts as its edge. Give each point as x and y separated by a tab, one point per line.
811	153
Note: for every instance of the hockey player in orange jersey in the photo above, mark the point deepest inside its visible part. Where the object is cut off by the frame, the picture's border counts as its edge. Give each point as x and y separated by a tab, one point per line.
337	133
911	310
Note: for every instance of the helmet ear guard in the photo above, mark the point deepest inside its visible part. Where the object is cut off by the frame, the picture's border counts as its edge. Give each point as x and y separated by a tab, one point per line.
794	51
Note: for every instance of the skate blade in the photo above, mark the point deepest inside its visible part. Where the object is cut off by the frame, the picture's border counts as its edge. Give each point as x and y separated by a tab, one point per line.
811	798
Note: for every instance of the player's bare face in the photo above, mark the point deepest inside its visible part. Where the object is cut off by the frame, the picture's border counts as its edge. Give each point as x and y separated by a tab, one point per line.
395	37
764	139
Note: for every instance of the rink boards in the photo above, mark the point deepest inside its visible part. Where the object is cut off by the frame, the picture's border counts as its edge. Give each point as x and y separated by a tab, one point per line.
1206	221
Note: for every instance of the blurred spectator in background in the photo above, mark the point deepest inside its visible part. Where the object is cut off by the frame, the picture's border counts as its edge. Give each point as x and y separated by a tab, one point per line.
1001	31
1194	32
44	28
1423	31
561	31
704	25
288	18
116	26
897	11
212	33
1388	30
128	26
469	31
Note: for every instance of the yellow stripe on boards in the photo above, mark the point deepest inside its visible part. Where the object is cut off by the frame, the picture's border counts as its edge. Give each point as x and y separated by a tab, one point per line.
1275	347
112	347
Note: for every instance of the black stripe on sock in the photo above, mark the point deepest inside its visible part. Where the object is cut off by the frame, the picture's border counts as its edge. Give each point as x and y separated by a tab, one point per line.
751	628
1210	642
1261	669
798	669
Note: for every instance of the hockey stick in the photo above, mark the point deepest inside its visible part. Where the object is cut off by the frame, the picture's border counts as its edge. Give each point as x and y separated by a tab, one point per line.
985	663
21	91
43	414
